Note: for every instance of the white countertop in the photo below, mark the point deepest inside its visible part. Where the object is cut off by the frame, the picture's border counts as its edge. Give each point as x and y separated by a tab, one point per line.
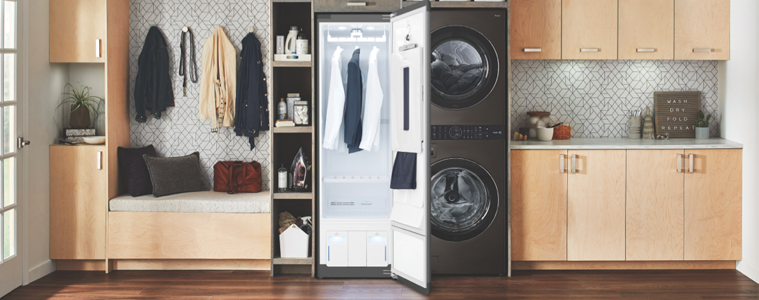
625	143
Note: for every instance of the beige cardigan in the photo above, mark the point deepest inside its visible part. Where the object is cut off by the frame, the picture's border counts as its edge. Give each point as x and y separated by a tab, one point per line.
218	82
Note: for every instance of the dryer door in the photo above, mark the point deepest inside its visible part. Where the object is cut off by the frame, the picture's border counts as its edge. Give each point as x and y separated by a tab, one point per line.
464	67
464	199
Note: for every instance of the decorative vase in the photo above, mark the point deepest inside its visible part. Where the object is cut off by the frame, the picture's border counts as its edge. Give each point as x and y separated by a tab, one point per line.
648	125
702	133
80	118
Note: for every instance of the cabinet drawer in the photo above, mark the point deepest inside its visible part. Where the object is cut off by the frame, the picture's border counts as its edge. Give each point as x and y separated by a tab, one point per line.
356	5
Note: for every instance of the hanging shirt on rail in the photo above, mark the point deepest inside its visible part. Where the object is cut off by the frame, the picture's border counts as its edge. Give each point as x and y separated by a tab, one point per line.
335	104
252	113
370	139
353	103
218	82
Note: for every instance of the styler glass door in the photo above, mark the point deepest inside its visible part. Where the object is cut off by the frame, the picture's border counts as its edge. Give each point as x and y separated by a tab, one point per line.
409	130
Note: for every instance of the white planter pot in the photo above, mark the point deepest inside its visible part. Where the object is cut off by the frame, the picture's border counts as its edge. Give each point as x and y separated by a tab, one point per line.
702	133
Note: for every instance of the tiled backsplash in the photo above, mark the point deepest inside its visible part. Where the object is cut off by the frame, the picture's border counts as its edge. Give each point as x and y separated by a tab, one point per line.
180	131
595	97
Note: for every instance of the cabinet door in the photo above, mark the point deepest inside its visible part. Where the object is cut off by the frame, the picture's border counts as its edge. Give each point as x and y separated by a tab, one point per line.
77	202
596	205
535	29
702	29
77	31
538	205
589	29
356	6
713	199
654	205
646	29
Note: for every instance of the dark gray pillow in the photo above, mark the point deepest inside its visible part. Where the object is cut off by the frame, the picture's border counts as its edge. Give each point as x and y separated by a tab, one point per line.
174	175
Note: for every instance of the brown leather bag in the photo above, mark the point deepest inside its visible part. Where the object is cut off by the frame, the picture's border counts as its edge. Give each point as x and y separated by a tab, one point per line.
237	177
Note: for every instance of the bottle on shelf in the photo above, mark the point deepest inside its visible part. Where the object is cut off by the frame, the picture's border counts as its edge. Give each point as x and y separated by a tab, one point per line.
282	179
282	109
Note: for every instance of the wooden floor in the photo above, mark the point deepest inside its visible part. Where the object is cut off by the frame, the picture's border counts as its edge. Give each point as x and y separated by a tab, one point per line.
721	284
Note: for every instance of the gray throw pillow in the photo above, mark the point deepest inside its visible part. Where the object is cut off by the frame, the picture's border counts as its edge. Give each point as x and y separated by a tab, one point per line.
174	175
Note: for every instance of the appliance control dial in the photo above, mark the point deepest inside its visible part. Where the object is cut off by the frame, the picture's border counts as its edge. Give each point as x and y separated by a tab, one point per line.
455	132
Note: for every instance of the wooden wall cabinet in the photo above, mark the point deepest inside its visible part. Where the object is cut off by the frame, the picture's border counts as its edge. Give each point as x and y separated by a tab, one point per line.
713	200
596	205
535	29
356	6
538	205
589	29
77	207
646	29
77	31
702	29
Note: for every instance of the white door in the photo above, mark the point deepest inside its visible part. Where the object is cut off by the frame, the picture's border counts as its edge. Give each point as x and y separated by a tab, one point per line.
10	262
409	130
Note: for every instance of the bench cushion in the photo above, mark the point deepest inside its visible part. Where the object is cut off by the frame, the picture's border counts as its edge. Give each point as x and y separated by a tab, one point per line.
194	202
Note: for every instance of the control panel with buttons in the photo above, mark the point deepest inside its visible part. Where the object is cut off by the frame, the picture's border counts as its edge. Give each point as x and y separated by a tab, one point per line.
467	132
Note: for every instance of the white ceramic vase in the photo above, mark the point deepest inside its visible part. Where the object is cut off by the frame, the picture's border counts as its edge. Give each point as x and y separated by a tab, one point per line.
702	133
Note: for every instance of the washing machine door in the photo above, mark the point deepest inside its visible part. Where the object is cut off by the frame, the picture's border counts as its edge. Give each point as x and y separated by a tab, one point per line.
464	67
464	199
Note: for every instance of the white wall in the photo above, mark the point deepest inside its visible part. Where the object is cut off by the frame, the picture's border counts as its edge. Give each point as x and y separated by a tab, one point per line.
43	84
739	90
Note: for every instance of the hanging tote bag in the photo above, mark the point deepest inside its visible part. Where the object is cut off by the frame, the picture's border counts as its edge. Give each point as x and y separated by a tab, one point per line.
237	177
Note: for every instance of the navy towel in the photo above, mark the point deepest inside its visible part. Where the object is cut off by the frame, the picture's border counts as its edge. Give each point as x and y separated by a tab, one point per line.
404	172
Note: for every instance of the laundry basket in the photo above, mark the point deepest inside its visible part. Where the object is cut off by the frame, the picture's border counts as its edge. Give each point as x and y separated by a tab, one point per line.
293	243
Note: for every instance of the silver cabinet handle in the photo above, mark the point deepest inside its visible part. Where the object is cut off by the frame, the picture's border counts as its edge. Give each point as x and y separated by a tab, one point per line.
356	3
690	164
589	50
679	163
561	163
100	160
574	163
642	50
702	50
97	48
532	50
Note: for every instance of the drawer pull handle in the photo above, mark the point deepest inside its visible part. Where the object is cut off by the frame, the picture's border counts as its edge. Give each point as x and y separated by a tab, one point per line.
702	50
690	164
574	163
645	50
356	3
100	160
562	158
532	50
679	163
97	48
590	50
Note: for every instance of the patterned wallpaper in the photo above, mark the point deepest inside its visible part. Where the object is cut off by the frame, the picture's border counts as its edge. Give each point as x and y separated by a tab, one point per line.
594	97
179	131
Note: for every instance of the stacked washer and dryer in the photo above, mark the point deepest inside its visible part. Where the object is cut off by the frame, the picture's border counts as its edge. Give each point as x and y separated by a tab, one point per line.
469	155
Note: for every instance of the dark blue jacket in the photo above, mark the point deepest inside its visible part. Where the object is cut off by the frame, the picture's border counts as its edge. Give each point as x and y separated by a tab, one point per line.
153	90
353	103
252	105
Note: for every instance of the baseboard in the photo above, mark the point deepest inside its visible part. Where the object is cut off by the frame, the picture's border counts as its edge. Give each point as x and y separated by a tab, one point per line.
750	270
191	264
624	265
41	270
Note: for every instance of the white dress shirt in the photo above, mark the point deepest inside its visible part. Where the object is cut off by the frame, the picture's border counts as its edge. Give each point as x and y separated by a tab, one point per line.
335	103
370	139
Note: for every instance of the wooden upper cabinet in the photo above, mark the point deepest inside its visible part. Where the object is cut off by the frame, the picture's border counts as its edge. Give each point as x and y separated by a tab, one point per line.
77	31
535	29
356	6
596	205
713	202
589	29
538	205
702	29
646	29
654	205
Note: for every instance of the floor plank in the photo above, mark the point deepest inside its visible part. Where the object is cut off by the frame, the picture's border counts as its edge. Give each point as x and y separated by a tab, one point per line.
206	285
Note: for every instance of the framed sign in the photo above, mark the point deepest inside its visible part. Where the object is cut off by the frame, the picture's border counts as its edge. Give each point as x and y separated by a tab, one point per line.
675	113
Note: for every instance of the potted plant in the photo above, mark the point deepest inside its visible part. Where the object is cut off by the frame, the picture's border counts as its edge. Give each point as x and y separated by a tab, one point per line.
702	125
82	105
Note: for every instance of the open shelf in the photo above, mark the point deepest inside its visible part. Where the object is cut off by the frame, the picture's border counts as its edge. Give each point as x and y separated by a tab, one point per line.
293	195
460	4
296	129
292	261
291	64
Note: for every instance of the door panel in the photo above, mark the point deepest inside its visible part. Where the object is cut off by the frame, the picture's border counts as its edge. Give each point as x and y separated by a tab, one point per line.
535	29
654	205
713	202
538	205
646	29
596	205
702	29
75	28
589	29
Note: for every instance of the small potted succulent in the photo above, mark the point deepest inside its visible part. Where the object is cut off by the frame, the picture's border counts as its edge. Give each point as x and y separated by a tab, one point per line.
702	125
82	105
